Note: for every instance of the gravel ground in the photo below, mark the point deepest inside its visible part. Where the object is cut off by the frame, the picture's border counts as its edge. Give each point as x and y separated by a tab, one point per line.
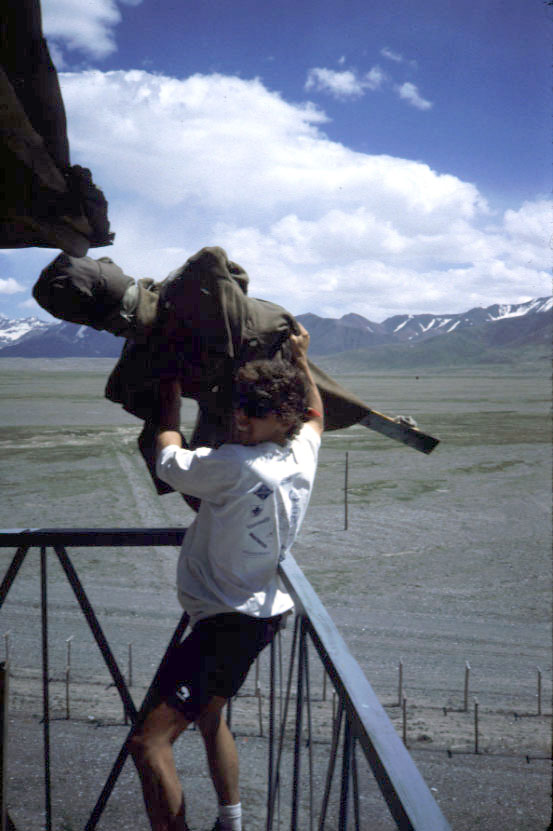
447	559
505	785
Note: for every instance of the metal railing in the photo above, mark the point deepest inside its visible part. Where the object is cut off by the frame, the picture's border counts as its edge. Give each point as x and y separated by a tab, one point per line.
359	720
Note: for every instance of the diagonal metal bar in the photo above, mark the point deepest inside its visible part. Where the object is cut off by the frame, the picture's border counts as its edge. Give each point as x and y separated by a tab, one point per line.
145	706
45	689
11	573
96	630
331	763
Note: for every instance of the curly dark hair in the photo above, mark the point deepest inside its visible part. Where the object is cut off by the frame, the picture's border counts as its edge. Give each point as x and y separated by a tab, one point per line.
272	386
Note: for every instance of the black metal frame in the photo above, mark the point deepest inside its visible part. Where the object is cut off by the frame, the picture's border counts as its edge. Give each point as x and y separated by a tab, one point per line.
360	719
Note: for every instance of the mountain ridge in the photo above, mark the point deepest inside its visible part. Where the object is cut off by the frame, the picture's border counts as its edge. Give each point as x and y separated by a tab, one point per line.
494	333
412	328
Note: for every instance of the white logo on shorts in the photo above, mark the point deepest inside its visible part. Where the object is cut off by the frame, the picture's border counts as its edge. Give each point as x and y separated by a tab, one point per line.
183	693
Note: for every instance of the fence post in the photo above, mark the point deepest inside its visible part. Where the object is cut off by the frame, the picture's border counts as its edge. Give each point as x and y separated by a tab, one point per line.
400	683
467	677
539	691
476	725
67	679
346	478
404	719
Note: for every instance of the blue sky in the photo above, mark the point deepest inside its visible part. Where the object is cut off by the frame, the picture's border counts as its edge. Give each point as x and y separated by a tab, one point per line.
372	157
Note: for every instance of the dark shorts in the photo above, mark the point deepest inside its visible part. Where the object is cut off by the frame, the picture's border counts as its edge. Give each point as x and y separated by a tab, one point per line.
214	660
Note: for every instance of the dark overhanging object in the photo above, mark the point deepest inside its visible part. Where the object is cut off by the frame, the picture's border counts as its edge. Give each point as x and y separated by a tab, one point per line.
45	201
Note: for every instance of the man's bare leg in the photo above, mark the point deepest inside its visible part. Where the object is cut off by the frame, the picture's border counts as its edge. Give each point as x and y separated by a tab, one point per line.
151	749
222	755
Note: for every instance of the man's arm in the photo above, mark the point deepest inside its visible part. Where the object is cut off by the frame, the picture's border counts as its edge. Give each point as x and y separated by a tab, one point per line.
169	414
300	344
200	474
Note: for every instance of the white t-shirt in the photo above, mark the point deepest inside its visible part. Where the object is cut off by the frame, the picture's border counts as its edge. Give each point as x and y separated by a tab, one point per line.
254	499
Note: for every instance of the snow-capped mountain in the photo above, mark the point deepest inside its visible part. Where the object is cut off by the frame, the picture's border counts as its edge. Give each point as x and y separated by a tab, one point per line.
56	340
12	331
419	327
352	331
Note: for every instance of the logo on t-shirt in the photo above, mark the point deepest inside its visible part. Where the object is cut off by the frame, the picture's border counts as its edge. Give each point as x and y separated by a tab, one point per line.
262	491
257	540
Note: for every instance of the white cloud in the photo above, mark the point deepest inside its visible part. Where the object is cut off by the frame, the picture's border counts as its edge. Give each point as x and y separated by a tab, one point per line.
533	222
396	57
56	53
220	144
375	78
206	142
386	52
87	27
10	286
410	93
344	84
30	304
220	160
357	260
348	84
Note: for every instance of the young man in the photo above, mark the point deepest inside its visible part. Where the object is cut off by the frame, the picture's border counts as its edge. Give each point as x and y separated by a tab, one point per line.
254	493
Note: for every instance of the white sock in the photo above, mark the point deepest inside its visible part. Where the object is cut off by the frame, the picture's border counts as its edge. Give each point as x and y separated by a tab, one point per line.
230	817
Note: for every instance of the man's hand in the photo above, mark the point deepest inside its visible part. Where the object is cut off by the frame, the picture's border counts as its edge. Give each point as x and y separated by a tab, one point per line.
299	344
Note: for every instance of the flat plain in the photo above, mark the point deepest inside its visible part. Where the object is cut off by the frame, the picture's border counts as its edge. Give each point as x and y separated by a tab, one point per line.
446	559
